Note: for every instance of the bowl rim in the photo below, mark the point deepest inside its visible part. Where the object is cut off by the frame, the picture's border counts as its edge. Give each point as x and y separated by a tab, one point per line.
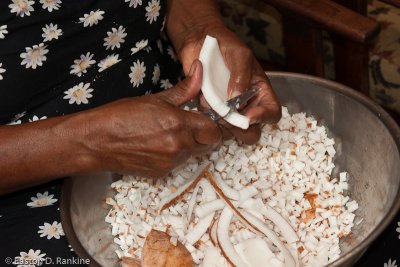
385	118
69	231
394	130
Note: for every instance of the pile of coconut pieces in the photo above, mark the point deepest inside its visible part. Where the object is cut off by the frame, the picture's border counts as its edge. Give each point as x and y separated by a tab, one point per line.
270	204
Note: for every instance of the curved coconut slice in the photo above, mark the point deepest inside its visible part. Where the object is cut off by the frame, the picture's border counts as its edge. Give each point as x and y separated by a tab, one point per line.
213	233
208	193
215	83
192	203
262	227
199	229
256	253
286	230
247	193
271	214
218	182
212	258
183	189
238	120
209	207
224	242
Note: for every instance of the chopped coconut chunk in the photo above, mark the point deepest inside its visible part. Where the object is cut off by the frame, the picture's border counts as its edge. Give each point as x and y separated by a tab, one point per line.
279	192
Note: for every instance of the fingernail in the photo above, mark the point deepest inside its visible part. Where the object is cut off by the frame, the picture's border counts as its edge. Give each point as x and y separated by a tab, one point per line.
235	93
254	121
192	69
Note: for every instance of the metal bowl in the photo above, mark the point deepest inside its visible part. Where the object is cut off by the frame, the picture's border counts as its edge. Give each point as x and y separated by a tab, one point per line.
368	144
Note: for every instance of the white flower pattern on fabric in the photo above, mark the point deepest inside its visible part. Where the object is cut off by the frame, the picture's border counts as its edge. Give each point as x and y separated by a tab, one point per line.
51	32
15	122
2	70
163	24
159	45
31	259
50	231
172	54
156	74
134	3
115	38
50	5
92	18
81	65
165	84
3	31
139	46
20	115
42	200
390	263
108	62
34	56
138	72
398	229
79	94
153	11
36	118
21	7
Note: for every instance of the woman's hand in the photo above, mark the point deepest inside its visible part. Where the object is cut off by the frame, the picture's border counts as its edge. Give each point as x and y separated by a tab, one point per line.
187	29
146	136
151	135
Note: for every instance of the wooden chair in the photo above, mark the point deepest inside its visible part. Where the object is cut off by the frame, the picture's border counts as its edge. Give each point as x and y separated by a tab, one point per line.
351	32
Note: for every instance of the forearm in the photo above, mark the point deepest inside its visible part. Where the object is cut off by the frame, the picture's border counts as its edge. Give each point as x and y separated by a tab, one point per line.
36	152
184	16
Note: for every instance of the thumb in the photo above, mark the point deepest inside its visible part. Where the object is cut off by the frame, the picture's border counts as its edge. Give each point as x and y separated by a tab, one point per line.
187	89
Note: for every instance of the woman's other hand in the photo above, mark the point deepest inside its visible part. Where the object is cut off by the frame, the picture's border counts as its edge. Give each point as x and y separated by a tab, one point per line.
188	23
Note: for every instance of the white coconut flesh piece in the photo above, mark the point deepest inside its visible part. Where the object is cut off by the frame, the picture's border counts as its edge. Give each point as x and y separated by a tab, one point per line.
208	193
213	233
228	191
224	241
285	229
260	226
238	120
212	258
200	229
255	224
202	226
247	193
215	83
192	182
271	214
284	182
192	202
255	252
209	207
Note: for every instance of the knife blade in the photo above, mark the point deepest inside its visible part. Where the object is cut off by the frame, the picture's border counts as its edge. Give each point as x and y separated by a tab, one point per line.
234	103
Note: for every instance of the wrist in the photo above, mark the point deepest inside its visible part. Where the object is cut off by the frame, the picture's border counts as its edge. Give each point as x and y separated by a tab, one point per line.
185	17
79	137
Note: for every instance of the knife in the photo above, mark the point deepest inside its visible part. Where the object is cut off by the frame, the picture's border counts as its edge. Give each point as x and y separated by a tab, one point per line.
234	103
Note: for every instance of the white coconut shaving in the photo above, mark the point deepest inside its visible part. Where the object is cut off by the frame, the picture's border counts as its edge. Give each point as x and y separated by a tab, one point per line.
283	185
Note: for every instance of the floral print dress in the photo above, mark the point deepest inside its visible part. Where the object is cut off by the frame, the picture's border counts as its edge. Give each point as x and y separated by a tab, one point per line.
63	56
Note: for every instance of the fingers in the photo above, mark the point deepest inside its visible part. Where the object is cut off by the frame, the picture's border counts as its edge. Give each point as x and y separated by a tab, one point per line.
240	66
186	89
204	130
249	136
265	106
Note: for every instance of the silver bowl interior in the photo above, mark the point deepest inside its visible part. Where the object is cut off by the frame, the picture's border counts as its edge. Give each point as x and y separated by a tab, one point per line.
367	142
